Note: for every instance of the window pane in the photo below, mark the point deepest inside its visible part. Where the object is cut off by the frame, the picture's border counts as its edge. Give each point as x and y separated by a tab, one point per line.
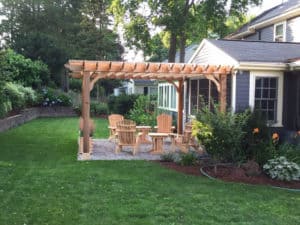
264	104
265	93
273	93
271	104
279	30
273	82
271	116
257	93
266	82
258	82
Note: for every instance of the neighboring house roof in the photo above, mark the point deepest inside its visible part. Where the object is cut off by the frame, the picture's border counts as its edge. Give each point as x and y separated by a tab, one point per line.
189	51
274	15
259	51
145	82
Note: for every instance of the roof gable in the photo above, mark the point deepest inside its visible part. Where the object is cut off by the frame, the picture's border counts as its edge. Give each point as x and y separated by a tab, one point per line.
209	53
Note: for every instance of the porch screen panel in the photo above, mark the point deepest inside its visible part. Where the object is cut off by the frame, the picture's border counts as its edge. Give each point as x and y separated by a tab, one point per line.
194	96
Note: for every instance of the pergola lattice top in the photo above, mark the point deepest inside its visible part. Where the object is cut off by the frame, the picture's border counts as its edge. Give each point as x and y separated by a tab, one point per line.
142	70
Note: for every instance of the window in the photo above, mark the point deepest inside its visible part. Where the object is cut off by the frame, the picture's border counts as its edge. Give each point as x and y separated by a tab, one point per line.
279	32
167	96
266	97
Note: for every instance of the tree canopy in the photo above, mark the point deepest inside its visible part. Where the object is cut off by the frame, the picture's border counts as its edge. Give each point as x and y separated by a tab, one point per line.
54	31
182	21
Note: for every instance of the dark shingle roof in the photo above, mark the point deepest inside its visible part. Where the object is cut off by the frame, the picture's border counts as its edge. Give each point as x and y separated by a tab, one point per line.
258	51
270	13
145	82
189	51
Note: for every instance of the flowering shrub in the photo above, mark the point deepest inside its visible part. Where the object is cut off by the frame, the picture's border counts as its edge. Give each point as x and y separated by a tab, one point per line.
227	133
281	169
50	97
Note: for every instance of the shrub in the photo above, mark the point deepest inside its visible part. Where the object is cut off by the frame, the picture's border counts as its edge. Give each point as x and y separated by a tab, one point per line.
5	108
143	112
51	97
121	104
99	108
167	157
281	169
75	84
188	159
290	151
203	132
17	68
29	95
227	133
15	95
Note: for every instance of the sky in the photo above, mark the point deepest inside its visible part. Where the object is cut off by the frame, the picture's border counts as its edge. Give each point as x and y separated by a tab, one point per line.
267	4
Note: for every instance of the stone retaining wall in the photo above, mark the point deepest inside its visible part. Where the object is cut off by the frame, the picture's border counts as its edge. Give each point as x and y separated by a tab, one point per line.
33	113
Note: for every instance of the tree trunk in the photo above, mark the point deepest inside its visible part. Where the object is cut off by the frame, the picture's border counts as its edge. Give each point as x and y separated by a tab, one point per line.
172	50
182	47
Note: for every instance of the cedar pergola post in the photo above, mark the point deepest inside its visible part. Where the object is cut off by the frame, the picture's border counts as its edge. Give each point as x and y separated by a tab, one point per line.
223	92
86	111
180	106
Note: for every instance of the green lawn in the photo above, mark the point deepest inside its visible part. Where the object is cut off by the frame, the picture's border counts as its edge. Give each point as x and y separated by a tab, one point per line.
42	183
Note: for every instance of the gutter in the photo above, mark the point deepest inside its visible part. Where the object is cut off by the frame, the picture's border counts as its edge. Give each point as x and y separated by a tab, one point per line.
262	66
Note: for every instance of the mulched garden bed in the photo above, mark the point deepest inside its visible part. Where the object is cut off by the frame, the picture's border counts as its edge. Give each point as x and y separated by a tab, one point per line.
231	174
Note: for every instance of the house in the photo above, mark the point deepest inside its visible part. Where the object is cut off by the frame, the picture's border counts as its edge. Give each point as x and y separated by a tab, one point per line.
265	56
145	87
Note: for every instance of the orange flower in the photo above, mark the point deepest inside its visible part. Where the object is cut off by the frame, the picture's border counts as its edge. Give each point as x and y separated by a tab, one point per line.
275	136
255	130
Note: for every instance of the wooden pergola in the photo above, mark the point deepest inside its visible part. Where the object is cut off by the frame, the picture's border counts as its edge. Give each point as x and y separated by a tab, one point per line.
175	73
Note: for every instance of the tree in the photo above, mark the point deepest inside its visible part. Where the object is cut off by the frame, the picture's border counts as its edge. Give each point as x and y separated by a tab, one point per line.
54	31
183	20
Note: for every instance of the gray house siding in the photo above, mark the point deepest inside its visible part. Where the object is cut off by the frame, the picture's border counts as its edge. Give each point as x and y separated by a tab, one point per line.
267	33
292	30
253	37
203	57
242	90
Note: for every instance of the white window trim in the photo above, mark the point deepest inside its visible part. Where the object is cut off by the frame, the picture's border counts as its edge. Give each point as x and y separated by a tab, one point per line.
284	30
168	107
279	75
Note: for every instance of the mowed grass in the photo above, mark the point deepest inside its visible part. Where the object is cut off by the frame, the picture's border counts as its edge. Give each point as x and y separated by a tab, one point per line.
41	182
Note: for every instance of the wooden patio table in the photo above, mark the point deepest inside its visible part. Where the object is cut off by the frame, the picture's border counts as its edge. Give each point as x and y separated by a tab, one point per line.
144	133
157	140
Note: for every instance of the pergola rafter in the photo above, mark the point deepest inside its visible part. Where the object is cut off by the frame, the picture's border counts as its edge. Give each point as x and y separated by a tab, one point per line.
175	73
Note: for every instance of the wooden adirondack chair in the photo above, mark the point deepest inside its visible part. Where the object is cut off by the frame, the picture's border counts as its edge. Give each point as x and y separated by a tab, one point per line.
164	123
113	119
186	140
127	135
